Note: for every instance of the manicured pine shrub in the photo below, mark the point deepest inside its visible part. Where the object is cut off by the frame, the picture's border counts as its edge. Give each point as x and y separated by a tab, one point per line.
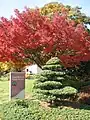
52	83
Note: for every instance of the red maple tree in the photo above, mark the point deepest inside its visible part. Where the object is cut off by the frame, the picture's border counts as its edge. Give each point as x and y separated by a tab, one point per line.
31	36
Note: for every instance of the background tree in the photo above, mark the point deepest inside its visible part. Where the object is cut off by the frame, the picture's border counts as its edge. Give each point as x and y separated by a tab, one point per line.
52	84
5	68
72	13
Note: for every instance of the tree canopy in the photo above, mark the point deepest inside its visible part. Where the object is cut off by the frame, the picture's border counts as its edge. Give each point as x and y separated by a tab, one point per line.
33	37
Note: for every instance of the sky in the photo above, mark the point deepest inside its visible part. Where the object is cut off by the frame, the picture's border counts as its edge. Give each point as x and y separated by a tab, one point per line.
7	6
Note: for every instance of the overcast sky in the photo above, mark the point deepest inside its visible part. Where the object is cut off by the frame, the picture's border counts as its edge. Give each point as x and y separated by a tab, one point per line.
7	6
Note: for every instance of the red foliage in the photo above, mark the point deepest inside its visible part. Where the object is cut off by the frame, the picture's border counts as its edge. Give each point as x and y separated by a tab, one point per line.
31	35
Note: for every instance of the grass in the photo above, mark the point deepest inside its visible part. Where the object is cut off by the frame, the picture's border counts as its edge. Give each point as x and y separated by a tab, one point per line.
4	89
29	86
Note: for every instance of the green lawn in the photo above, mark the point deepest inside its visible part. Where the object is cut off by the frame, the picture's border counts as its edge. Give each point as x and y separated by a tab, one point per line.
28	88
4	89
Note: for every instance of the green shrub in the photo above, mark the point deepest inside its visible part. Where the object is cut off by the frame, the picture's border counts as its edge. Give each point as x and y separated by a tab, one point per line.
26	110
32	110
53	84
80	74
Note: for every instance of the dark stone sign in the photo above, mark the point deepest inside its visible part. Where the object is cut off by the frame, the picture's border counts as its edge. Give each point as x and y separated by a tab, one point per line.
17	85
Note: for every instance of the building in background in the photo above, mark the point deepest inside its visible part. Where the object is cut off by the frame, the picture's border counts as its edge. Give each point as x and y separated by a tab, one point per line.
33	69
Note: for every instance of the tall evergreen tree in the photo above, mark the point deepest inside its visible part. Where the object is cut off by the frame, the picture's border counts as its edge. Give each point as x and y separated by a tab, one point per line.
52	83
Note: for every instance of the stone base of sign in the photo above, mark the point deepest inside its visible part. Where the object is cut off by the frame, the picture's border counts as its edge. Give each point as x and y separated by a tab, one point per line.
20	95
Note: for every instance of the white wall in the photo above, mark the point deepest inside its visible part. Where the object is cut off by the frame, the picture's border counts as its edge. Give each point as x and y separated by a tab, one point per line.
34	69
39	69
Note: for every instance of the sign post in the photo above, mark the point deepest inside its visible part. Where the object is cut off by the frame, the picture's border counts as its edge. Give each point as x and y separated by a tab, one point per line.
17	85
